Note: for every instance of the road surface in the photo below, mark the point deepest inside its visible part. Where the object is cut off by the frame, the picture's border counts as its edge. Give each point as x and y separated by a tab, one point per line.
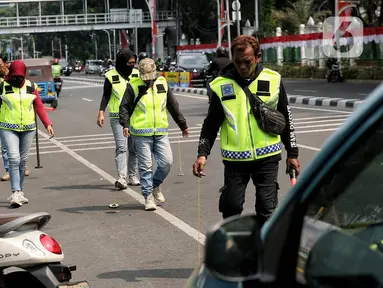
131	247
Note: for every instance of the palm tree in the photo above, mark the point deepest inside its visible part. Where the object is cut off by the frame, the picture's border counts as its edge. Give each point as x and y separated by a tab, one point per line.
298	13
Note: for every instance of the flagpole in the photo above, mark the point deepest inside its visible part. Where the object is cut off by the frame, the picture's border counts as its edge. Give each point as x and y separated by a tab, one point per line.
219	23
228	26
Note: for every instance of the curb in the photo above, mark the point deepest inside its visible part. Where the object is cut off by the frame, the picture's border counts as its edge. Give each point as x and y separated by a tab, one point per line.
293	99
350	81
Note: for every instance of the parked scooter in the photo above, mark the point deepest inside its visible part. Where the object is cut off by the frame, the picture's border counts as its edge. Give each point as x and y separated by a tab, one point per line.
334	74
24	246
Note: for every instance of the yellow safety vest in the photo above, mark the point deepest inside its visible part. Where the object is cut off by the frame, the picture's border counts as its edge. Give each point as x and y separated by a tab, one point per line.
150	116
56	71
241	137
118	89
135	74
16	112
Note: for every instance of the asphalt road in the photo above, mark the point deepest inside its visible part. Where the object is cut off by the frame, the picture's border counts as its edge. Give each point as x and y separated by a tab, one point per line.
315	88
131	247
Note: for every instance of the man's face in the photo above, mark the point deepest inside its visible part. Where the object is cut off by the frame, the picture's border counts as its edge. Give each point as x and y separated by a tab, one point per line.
245	62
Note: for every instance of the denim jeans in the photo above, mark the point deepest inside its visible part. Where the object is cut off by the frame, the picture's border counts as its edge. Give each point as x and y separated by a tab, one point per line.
122	145
18	145
4	155
159	146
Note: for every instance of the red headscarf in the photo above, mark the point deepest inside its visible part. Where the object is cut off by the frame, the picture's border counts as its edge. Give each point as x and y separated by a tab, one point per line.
17	68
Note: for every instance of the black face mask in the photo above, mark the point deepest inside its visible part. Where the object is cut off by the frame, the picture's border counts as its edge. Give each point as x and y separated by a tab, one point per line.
16	81
127	70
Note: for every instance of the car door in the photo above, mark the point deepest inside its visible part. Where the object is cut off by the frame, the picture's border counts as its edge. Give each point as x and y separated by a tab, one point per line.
342	190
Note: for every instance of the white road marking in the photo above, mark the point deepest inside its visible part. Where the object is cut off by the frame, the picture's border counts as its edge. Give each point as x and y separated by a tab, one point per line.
309	147
320	125
302	90
89	84
186	228
321	117
316	131
79	87
86	99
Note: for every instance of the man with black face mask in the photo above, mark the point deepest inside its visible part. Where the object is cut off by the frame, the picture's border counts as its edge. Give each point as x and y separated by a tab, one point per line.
114	89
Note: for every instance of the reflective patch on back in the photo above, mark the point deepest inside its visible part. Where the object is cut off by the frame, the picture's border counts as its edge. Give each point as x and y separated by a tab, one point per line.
227	90
115	79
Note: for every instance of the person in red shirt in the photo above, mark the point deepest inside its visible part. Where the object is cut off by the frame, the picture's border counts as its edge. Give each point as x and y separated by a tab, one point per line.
17	125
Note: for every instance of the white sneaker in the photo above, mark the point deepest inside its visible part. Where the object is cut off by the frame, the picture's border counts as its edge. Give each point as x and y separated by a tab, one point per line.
22	198
134	181
150	204
120	183
16	200
158	196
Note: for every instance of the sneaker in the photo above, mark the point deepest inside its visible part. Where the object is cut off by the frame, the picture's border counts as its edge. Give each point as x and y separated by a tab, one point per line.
120	183
16	200
26	171
23	199
150	204
134	181
158	196
5	177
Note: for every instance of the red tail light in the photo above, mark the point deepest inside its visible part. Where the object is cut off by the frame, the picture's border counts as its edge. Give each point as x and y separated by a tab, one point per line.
50	244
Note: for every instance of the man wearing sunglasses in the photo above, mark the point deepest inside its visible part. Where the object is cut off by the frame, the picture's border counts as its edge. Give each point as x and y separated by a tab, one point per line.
115	84
250	148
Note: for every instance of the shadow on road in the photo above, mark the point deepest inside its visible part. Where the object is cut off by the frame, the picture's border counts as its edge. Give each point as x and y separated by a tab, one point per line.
82	187
105	208
132	275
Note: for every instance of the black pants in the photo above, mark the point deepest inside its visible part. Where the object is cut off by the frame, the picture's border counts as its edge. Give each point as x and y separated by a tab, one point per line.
264	174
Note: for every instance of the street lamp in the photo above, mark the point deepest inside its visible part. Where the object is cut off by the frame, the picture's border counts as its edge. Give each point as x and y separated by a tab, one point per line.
22	45
110	49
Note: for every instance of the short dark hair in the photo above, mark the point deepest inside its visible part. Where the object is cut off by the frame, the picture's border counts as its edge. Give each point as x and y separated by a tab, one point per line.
243	41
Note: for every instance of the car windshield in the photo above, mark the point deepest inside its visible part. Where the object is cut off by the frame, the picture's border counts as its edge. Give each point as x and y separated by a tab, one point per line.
193	61
349	199
95	63
34	72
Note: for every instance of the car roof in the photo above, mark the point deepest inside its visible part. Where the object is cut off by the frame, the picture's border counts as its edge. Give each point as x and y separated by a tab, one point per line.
33	62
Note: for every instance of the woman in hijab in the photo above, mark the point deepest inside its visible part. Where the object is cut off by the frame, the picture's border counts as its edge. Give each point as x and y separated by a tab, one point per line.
115	84
18	126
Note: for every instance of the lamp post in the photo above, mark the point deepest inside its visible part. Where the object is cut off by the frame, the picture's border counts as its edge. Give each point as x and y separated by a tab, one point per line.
110	49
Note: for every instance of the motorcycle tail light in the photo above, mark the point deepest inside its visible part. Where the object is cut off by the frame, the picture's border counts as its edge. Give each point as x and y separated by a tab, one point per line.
50	244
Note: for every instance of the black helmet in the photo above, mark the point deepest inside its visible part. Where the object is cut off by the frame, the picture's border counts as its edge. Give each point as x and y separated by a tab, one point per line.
221	51
142	55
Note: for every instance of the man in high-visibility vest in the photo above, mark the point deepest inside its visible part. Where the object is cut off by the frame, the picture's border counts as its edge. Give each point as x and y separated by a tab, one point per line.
143	115
115	84
247	150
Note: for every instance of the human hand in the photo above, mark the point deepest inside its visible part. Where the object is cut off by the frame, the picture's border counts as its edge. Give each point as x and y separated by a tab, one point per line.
292	163
126	132
185	133
199	166
100	119
51	132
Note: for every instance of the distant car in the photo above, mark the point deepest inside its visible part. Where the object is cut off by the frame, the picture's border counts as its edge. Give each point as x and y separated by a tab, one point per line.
93	66
196	63
67	69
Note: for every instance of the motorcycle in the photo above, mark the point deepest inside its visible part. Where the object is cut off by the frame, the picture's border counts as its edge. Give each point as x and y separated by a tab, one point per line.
334	74
103	70
24	246
77	68
58	86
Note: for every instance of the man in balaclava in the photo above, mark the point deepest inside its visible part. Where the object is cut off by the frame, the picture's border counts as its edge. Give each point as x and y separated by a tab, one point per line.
115	84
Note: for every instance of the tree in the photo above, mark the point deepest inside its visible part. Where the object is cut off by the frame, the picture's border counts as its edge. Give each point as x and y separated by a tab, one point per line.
298	13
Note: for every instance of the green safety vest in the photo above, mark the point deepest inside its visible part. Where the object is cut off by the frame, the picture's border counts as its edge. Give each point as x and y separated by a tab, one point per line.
16	111
241	137
135	74
56	71
150	116
118	89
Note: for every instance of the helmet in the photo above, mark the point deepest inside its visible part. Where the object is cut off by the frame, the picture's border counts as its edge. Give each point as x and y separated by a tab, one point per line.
56	61
221	51
142	55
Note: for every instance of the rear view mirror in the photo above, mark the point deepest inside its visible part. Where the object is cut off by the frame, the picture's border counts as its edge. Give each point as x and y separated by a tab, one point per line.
232	249
343	260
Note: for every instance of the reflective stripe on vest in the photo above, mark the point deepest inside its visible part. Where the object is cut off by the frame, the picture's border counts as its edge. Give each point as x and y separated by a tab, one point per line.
118	90
16	111
150	116
241	138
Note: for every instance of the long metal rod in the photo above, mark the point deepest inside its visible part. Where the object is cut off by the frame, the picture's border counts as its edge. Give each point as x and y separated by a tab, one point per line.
256	24
38	165
238	21
110	45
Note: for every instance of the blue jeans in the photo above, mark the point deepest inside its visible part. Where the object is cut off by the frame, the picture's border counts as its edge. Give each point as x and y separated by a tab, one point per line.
4	155
160	147
17	145
123	144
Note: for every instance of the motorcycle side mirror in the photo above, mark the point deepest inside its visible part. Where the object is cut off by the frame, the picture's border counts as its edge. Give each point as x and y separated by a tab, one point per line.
233	249
343	260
